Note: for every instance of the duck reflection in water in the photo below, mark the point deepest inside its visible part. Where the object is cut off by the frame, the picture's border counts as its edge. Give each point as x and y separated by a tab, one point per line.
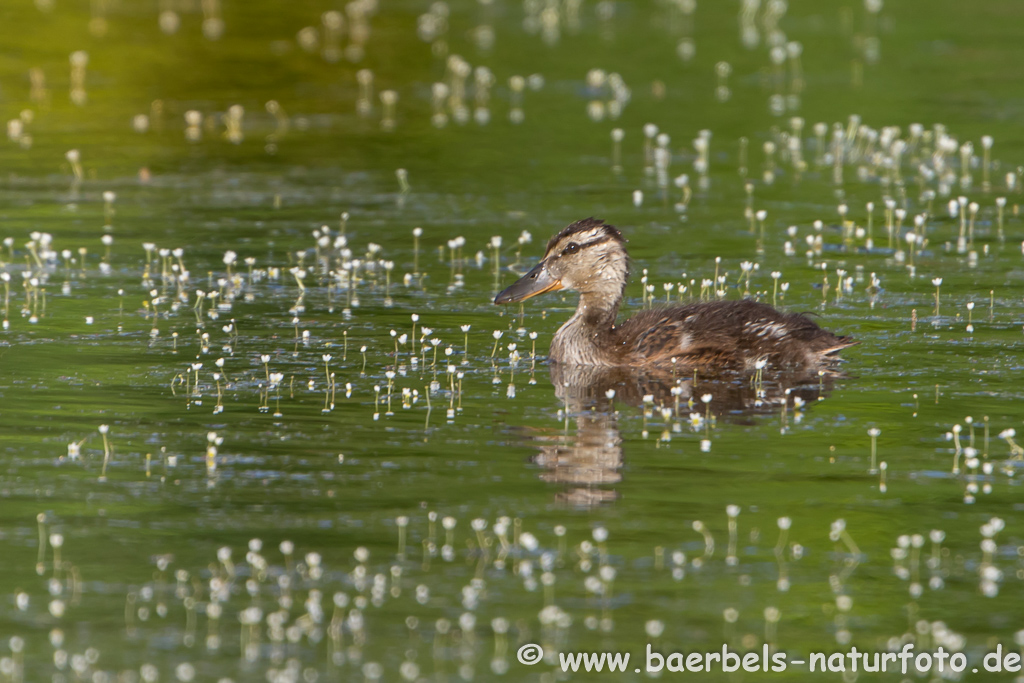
588	460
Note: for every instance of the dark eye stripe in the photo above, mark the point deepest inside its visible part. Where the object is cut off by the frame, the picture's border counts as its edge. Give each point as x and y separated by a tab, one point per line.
599	240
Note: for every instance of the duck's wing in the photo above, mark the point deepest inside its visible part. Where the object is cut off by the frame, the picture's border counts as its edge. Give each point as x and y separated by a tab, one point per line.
787	338
658	336
726	332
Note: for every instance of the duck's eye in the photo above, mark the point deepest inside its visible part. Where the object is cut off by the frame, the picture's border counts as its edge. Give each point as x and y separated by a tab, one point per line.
572	248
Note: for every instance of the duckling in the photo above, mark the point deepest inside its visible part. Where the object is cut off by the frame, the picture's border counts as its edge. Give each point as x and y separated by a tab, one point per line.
590	257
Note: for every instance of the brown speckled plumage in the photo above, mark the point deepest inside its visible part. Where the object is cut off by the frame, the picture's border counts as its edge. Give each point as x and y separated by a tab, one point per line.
590	257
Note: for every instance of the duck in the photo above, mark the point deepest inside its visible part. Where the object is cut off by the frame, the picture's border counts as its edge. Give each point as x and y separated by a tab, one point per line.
590	257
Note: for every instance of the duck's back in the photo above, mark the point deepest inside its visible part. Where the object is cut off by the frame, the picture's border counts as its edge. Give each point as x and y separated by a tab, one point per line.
725	333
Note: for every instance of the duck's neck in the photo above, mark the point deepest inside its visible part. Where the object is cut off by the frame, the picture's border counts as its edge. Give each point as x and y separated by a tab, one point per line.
586	338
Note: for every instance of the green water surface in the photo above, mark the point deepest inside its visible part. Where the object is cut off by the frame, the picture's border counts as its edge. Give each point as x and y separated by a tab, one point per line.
343	532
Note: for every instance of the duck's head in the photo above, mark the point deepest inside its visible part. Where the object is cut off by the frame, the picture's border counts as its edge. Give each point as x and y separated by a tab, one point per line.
588	256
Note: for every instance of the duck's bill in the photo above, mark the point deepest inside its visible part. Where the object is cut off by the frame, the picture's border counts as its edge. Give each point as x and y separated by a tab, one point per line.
537	281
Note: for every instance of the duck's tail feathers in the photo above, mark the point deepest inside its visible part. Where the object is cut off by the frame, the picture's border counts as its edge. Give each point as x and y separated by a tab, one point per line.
839	343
